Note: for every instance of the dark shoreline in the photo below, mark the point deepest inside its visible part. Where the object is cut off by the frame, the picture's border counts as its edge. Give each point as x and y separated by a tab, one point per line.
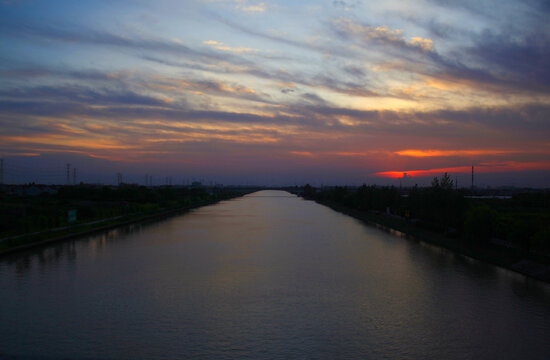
146	218
502	257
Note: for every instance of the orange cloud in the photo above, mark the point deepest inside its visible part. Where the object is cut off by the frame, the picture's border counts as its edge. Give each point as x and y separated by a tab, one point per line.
345	153
334	153
60	140
426	44
301	153
441	153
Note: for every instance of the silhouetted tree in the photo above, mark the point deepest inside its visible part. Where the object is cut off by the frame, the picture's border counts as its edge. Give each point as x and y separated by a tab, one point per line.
309	191
446	183
435	183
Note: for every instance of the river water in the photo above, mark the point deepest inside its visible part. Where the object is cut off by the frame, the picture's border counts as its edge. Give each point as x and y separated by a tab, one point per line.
268	275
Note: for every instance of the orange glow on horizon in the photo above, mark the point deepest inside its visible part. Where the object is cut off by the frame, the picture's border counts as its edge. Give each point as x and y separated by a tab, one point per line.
510	166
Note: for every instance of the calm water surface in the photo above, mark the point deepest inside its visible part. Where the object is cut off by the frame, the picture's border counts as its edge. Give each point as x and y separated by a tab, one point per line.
268	275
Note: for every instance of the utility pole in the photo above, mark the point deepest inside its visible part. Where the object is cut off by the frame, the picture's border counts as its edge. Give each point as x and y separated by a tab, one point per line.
119	178
68	174
1	171
74	176
146	179
472	178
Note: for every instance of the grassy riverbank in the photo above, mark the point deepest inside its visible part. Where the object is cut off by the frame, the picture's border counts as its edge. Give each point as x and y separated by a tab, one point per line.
456	230
80	210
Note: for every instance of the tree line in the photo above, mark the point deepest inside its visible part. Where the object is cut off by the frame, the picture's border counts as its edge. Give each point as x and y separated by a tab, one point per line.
26	214
522	221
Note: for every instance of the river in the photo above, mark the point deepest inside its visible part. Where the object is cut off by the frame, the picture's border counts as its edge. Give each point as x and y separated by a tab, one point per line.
268	275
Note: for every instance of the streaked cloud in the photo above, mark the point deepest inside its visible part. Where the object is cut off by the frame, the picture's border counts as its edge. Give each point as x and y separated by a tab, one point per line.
379	35
346	88
248	7
220	46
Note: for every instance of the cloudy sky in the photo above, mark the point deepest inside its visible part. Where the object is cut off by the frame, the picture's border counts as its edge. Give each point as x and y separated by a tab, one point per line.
276	92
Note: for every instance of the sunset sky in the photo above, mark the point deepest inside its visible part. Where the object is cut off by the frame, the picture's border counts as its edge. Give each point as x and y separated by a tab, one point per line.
276	92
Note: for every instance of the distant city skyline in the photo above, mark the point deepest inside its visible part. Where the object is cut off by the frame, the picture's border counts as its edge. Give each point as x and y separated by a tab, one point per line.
276	92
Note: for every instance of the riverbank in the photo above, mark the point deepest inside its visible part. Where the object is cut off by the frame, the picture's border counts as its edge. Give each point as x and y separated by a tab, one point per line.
24	242
516	260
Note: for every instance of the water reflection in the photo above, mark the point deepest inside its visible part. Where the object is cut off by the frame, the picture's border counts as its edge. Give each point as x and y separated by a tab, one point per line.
50	255
266	275
41	258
